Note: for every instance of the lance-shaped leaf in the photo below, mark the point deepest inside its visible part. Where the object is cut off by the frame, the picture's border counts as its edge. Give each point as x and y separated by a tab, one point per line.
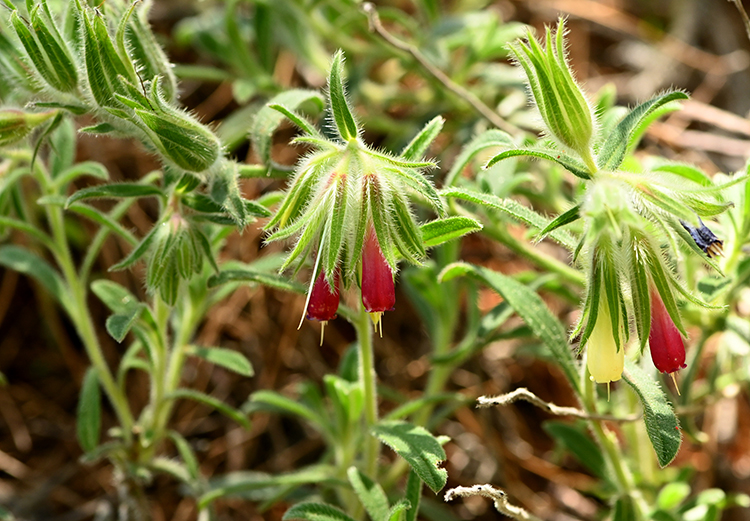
422	186
116	191
569	163
54	47
334	232
612	152
639	288
512	209
248	274
315	512
662	425
422	141
137	40
370	494
444	230
212	402
568	217
88	421
340	109
409	240
35	52
226	358
28	263
234	484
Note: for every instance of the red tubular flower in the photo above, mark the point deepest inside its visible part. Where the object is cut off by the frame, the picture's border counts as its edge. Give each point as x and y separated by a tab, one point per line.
324	301
378	291
664	339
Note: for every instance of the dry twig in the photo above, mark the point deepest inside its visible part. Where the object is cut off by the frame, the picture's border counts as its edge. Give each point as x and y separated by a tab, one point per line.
375	25
524	394
499	498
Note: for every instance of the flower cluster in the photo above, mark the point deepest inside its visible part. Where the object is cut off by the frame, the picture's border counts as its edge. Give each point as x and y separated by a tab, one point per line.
347	205
636	223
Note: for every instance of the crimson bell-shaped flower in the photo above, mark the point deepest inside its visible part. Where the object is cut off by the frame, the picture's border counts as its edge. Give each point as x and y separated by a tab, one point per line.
324	300
665	341
378	290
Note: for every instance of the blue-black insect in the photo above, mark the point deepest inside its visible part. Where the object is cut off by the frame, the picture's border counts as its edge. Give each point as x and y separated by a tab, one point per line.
705	238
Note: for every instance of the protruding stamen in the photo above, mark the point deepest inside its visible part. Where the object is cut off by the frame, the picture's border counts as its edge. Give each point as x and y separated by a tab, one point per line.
675	383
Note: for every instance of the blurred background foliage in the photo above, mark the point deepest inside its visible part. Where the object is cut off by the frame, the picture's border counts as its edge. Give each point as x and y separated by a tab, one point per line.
431	58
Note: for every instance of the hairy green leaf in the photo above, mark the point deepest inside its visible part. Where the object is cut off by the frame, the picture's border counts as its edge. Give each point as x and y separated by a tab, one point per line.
422	141
418	447
116	191
512	209
315	512
569	163
28	263
444	230
612	152
370	494
342	113
662	424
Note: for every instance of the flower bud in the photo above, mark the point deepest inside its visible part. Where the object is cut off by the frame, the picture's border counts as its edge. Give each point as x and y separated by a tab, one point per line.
605	358
176	255
561	102
665	341
16	124
182	140
324	300
378	290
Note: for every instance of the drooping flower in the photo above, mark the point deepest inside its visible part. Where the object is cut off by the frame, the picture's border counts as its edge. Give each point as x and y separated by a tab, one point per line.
378	291
605	357
664	339
324	300
342	188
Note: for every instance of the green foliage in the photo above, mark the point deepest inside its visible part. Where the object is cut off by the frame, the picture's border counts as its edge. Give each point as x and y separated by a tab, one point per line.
89	422
418	447
661	422
630	228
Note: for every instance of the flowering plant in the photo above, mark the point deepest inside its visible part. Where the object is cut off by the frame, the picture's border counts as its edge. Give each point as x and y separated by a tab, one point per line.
634	222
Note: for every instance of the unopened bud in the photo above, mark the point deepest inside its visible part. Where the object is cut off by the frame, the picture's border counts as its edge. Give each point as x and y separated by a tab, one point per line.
186	143
16	124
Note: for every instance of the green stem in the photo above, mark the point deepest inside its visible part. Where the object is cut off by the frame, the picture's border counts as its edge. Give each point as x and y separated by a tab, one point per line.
172	365
367	378
607	441
535	255
81	316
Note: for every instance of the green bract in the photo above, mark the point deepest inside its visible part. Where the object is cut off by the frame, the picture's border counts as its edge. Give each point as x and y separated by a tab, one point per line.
344	186
561	102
